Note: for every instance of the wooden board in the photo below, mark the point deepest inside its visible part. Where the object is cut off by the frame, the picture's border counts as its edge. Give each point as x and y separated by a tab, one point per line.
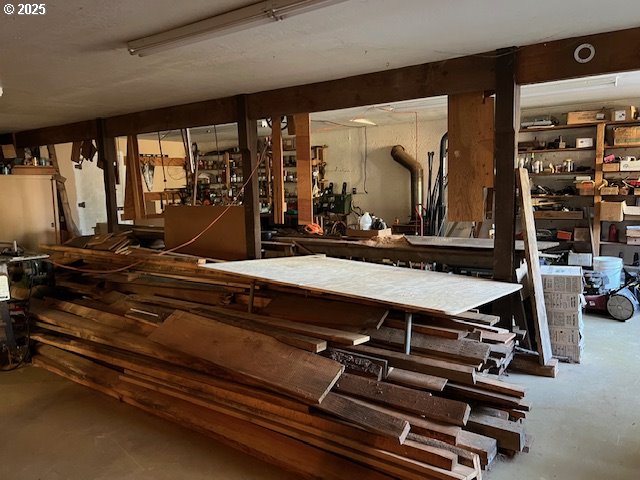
259	357
279	205
416	380
407	289
458	350
468	243
325	312
303	164
470	158
371	420
225	240
460	373
403	398
539	310
509	435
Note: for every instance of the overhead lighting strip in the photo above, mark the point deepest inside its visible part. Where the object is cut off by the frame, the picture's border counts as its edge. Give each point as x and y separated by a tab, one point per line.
244	18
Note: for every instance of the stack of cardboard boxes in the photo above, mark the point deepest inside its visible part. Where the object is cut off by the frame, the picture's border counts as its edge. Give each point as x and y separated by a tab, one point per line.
564	301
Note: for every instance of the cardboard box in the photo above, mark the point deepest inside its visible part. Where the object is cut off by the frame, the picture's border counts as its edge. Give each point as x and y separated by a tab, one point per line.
586	188
561	279
615	190
633	240
586	116
565	336
630	209
623	114
562	301
573	353
612	211
581	234
565	319
626	135
629	165
584	142
632	231
580	259
611	167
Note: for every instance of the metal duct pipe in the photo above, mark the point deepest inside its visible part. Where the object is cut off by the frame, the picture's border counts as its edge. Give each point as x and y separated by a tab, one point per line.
401	156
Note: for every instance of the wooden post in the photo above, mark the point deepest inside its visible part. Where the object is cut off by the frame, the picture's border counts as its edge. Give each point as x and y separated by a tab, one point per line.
134	204
304	170
248	143
597	199
108	157
278	170
506	126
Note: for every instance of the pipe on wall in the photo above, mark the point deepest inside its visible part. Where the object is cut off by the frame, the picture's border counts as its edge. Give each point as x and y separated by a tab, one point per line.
401	156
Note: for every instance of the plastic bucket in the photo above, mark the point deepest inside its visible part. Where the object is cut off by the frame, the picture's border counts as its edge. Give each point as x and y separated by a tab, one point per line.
611	270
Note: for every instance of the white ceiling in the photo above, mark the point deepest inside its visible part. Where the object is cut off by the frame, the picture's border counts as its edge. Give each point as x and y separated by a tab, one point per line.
72	64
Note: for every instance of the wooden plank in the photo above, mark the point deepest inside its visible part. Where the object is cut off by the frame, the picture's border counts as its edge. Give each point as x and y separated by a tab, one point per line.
551	61
509	435
248	145
330	334
224	230
407	289
532	366
134	205
442	332
303	164
378	422
494	384
359	364
442	431
596	226
62	194
403	398
471	153
430	366
459	350
467	392
277	164
251	354
325	312
415	379
485	447
465	457
107	157
539	310
256	440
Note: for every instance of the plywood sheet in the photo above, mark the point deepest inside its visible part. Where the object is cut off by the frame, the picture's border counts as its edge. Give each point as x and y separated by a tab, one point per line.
407	289
225	240
258	357
470	157
29	213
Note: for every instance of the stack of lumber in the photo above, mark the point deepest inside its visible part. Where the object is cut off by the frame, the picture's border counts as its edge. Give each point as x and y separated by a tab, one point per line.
318	387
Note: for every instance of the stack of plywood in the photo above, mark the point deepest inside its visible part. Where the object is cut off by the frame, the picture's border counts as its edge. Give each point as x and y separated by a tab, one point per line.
317	386
563	299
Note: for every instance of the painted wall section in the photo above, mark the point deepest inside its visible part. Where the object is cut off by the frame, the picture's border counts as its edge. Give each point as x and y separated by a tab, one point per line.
361	156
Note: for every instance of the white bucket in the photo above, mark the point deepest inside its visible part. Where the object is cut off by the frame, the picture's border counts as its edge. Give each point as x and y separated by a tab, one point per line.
611	270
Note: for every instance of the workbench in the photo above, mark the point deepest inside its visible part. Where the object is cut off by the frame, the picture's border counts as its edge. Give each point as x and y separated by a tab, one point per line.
452	251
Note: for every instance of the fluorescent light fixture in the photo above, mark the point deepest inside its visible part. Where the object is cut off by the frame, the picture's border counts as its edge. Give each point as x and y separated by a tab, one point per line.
569	86
363	121
244	18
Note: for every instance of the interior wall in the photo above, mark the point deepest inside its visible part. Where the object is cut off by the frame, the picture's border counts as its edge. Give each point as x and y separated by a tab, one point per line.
359	154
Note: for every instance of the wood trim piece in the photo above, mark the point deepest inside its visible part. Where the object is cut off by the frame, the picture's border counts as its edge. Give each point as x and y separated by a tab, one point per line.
544	62
107	157
279	206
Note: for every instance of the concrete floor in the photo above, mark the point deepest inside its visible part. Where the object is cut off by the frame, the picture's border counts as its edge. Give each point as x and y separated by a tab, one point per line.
585	424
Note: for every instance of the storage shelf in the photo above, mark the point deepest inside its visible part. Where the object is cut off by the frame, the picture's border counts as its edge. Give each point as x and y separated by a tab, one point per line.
561	196
557	150
619	147
562	174
558	127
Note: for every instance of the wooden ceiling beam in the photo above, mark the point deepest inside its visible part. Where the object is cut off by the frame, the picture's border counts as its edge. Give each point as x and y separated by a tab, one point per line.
198	114
551	61
70	132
